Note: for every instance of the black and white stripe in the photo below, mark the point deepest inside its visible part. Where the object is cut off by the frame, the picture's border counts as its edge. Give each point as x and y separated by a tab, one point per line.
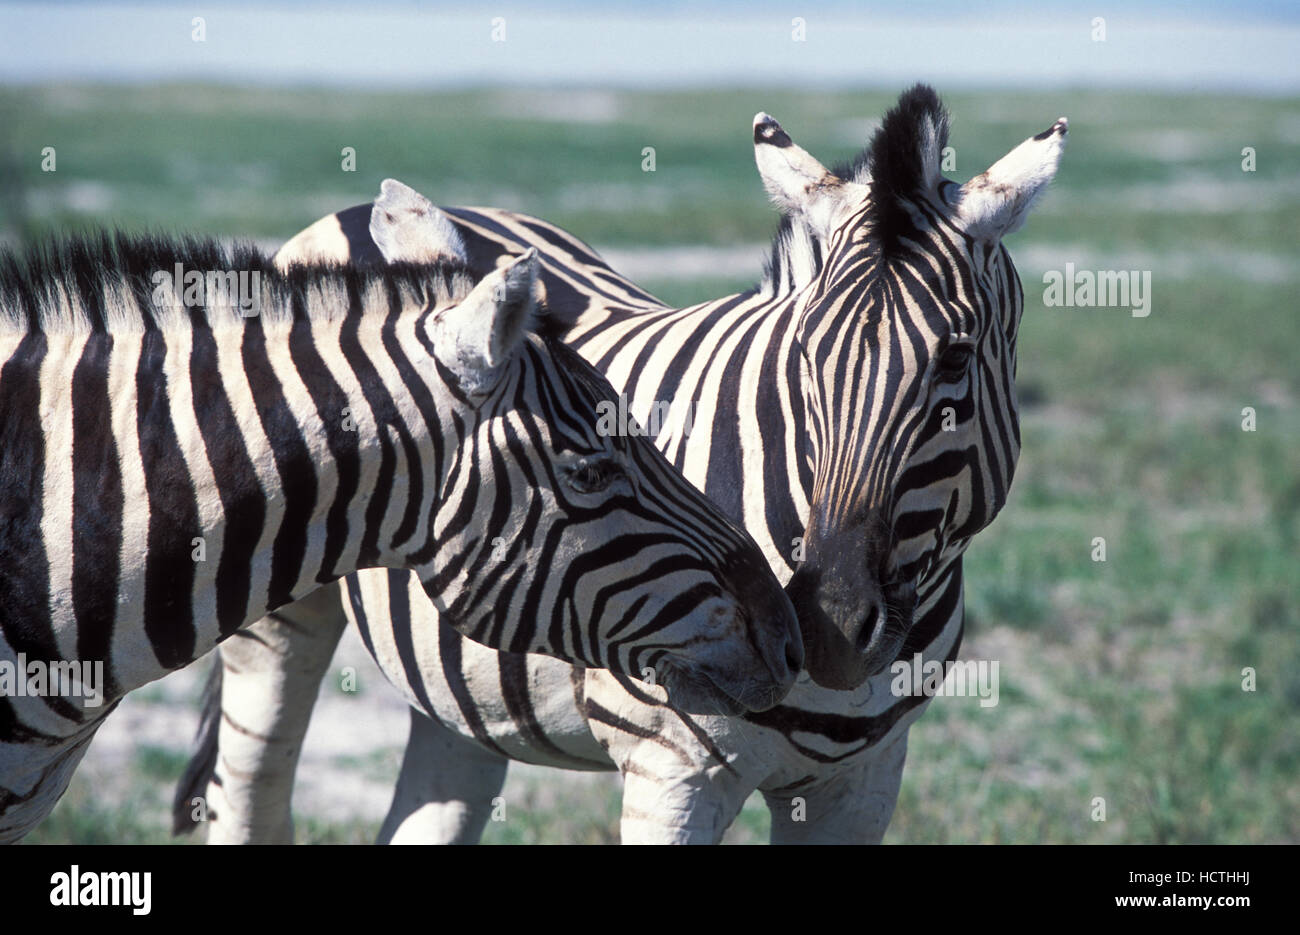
172	471
861	401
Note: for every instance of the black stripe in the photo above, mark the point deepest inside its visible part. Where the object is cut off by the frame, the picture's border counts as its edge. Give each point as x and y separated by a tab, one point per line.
560	293
431	429
454	673
774	421
519	705
24	567
723	482
634	690
352	585
930	626
242	500
169	573
293	461
602	715
330	402
385	415
399	619
97	504
669	385
588	258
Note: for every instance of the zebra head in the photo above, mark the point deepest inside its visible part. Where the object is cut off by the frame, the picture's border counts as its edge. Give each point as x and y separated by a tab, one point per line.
908	309
566	538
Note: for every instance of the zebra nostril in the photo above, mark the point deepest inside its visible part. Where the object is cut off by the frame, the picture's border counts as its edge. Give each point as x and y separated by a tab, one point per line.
794	654
867	630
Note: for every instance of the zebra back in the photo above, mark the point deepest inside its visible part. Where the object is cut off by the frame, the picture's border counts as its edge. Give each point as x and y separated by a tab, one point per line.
863	475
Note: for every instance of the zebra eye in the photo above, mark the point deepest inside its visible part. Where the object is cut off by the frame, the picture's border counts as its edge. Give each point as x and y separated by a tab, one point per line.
593	476
954	361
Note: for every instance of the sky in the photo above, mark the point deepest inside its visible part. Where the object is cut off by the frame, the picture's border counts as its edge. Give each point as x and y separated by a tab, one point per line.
1192	46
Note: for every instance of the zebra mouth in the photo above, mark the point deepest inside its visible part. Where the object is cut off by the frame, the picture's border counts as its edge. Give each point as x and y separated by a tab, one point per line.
693	691
842	657
881	651
898	608
900	605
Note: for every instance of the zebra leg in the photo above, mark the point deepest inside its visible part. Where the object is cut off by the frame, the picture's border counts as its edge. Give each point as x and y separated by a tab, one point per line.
272	675
445	789
685	778
850	807
692	809
46	772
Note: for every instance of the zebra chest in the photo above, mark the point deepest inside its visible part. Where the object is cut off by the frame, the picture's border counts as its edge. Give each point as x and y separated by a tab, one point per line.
520	707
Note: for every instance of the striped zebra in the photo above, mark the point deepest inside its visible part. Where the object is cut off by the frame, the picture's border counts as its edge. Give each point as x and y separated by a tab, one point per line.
173	467
859	418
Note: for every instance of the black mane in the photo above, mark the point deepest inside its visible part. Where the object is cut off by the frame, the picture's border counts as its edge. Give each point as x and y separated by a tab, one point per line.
893	162
96	270
890	162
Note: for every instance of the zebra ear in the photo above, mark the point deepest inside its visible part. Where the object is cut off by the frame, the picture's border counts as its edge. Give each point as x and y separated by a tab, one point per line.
406	226
796	182
996	202
476	337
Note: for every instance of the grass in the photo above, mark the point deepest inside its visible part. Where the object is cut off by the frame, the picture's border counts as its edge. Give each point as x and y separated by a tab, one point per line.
1122	680
130	806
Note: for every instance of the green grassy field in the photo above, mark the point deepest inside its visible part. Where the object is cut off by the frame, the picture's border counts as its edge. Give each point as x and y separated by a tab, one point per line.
1120	679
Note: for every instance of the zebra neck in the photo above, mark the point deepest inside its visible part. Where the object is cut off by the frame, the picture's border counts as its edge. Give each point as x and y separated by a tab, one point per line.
347	459
188	480
727	378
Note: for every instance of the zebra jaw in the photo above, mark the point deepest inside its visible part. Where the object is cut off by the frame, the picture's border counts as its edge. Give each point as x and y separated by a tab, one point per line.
695	692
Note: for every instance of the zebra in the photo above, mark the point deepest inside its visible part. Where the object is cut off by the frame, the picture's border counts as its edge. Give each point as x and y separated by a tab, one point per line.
887	315
173	467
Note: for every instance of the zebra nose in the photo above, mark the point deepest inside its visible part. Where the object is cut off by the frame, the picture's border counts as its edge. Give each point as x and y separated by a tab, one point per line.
794	652
783	643
867	630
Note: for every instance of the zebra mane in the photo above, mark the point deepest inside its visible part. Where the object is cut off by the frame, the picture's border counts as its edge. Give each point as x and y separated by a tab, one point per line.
902	158
903	155
577	368
794	260
107	282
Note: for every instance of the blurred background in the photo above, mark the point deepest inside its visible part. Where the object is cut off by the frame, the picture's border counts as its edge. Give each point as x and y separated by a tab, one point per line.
1175	437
